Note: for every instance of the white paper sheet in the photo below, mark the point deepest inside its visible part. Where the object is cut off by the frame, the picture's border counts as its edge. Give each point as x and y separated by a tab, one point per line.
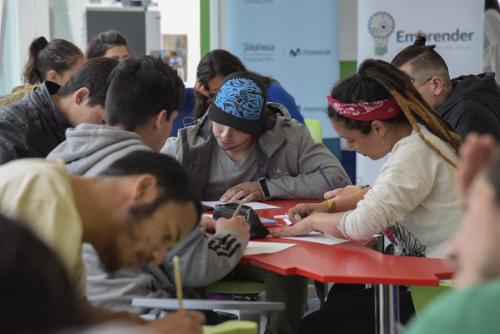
319	238
285	219
253	205
257	247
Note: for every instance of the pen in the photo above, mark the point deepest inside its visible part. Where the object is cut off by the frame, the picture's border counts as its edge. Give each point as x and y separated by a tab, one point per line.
330	186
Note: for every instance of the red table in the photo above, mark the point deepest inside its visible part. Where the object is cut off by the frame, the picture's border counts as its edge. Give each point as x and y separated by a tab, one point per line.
350	263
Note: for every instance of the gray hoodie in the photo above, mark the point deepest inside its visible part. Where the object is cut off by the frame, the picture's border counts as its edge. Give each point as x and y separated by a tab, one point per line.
88	150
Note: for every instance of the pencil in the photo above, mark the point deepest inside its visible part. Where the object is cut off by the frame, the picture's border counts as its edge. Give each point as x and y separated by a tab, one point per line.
178	282
242	202
324	177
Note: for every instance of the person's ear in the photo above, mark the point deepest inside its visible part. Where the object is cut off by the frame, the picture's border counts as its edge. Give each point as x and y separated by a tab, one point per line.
80	95
162	121
144	188
438	85
52	76
379	128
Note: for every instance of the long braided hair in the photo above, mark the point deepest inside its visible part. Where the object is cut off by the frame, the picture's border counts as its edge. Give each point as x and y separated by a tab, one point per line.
378	80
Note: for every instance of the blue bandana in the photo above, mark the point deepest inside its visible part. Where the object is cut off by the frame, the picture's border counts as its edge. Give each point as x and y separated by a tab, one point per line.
239	103
240	97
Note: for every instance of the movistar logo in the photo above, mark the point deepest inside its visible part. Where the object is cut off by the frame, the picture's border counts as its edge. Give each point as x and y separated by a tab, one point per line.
294	52
309	52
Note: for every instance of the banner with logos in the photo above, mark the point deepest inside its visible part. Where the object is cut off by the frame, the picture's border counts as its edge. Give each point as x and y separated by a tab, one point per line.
385	27
293	41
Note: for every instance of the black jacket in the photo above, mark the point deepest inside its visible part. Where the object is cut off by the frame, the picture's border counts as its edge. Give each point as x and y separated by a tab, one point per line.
31	127
473	105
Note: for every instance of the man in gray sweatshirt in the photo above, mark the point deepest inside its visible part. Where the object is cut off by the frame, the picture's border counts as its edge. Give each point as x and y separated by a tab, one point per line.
242	147
141	105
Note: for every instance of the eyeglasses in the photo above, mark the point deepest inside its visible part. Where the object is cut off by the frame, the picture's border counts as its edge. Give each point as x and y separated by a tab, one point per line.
422	83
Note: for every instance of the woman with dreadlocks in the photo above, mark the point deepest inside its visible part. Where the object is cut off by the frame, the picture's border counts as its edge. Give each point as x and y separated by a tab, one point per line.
414	201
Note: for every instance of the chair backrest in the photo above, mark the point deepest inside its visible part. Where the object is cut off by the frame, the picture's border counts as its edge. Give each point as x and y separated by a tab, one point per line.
185	116
315	129
422	296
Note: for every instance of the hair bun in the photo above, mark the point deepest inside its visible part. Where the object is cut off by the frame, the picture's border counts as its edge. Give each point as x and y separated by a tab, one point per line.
421	39
39	44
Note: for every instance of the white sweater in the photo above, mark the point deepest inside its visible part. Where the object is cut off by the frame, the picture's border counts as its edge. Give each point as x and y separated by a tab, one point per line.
415	188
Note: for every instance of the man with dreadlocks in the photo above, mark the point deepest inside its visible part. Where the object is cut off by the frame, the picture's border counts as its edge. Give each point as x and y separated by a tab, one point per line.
414	201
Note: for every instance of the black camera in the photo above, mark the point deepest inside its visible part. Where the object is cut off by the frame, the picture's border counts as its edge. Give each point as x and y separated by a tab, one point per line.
257	230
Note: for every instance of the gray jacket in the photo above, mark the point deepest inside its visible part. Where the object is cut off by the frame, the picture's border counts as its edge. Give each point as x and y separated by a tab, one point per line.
295	166
88	150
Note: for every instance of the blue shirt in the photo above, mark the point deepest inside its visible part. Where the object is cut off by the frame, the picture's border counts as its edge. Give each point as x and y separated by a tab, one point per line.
276	93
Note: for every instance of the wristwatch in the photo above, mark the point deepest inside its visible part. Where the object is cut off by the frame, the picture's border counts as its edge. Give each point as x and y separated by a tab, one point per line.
263	187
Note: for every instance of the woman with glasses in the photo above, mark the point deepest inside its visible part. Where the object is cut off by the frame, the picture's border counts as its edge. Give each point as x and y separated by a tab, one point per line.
212	70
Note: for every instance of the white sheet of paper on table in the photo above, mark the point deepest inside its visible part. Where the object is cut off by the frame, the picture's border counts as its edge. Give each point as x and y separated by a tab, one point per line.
319	238
257	247
253	205
285	219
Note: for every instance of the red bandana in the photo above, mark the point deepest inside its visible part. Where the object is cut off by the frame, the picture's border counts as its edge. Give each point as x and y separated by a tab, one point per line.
366	111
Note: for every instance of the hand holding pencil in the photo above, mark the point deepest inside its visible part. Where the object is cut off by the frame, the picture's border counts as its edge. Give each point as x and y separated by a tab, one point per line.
186	322
337	200
303	210
242	202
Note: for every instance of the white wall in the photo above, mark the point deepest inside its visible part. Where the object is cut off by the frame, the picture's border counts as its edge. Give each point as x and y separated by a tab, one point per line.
24	20
348	32
183	17
67	21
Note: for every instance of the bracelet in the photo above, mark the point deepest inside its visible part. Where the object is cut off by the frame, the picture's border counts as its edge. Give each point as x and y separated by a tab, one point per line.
329	203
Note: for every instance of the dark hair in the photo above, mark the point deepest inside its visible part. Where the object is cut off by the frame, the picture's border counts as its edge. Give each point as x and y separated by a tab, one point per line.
59	55
106	40
491	4
141	88
214	63
421	57
94	76
36	292
173	181
379	80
